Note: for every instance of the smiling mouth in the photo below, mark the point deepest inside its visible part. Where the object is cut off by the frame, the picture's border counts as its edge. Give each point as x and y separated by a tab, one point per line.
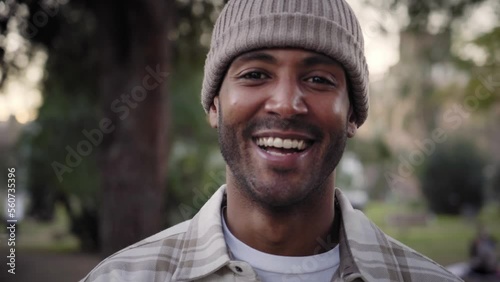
282	146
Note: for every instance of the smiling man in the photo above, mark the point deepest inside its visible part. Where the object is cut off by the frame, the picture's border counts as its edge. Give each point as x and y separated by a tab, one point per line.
286	84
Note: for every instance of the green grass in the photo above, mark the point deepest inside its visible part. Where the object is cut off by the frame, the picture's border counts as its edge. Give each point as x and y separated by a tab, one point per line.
444	239
51	237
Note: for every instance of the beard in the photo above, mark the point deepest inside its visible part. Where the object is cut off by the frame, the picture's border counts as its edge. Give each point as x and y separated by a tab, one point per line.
235	149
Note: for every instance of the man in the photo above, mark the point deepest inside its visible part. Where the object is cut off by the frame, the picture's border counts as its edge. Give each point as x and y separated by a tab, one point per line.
286	83
482	252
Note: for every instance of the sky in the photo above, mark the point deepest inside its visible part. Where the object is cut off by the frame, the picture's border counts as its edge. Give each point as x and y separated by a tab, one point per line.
22	96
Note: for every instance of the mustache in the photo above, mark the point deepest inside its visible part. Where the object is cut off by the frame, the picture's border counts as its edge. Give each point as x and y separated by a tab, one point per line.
276	123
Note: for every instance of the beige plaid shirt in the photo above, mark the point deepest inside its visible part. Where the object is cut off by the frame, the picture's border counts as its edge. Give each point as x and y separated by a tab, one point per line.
195	250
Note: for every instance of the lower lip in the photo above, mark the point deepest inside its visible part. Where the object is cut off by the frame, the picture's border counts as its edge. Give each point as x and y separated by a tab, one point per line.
287	161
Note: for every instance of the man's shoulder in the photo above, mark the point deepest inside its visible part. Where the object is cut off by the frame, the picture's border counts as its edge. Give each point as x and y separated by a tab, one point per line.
379	257
149	259
416	265
403	263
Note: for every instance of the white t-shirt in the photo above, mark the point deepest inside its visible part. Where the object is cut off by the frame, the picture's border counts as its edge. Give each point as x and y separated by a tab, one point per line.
284	269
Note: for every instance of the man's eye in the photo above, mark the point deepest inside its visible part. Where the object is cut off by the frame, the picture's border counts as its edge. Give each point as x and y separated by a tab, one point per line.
320	80
254	75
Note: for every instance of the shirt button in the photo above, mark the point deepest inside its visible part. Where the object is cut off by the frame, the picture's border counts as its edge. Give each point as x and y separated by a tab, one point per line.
238	269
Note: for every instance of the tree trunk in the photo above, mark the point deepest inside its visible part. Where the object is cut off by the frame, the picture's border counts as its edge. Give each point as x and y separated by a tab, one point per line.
134	58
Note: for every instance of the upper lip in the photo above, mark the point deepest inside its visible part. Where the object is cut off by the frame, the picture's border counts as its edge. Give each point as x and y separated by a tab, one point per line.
284	135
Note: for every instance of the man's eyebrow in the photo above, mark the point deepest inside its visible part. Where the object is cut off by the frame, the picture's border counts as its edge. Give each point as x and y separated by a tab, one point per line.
319	60
256	56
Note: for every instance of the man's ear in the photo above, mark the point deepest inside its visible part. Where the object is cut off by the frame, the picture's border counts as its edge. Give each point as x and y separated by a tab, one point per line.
213	113
352	126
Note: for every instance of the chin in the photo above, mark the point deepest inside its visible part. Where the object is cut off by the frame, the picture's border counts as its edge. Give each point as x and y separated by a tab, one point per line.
279	194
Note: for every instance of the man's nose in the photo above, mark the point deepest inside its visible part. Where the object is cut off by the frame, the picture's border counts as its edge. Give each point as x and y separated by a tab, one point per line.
286	99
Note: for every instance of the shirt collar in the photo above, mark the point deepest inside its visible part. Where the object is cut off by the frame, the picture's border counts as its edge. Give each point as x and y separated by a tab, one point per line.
361	245
204	250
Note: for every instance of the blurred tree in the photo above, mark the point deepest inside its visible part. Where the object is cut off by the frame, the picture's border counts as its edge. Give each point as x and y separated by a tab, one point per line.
420	11
426	49
485	79
100	58
452	178
427	36
431	75
496	183
65	32
134	60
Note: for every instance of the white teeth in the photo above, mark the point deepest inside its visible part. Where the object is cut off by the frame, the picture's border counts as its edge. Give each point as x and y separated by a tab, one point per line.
270	142
278	143
301	145
276	153
281	143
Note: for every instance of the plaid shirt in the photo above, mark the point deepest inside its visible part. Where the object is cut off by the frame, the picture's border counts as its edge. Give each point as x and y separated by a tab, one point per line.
195	250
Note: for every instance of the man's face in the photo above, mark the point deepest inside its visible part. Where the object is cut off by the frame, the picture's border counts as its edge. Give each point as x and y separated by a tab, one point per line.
283	117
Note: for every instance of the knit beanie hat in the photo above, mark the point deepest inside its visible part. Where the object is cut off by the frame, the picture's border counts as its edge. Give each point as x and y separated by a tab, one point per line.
328	27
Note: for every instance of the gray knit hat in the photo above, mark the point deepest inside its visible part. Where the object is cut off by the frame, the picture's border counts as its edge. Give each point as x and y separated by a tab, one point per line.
325	26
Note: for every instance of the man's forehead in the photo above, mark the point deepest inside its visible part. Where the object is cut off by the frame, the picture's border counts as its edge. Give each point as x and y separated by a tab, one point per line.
275	55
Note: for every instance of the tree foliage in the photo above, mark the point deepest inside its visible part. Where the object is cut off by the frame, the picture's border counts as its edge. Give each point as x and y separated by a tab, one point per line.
420	11
496	183
67	31
452	178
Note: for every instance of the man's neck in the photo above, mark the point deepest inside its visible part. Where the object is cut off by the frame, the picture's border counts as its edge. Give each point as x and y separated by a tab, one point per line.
301	231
